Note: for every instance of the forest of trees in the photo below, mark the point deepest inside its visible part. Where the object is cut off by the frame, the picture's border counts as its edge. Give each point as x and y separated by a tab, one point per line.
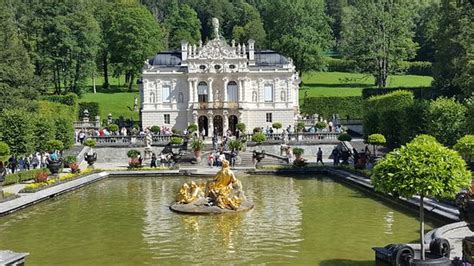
56	46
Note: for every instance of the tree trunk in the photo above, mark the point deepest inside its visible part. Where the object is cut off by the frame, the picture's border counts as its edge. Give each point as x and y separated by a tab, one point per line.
130	84
105	85
422	228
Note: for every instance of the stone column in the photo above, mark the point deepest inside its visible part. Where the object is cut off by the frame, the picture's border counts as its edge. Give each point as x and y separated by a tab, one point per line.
195	117
226	80
173	91
276	90
210	122
241	89
196	97
211	91
226	121
191	91
288	90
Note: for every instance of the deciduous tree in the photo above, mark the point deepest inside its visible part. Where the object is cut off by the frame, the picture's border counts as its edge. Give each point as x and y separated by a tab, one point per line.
378	35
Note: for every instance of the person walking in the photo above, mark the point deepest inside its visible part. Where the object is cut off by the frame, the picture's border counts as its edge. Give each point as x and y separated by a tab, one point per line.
335	156
203	134
319	156
356	156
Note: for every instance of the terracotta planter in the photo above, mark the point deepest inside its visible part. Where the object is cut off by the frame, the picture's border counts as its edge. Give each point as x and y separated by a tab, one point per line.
197	154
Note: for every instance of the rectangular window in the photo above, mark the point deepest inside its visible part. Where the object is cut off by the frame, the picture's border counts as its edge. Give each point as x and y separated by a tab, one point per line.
167	119
269	117
268	90
166	94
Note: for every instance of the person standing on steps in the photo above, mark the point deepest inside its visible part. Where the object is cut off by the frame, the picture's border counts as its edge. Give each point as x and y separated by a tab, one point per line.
319	156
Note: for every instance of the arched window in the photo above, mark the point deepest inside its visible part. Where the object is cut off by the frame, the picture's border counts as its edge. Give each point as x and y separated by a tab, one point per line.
202	92
152	97
254	96
283	96
232	91
180	97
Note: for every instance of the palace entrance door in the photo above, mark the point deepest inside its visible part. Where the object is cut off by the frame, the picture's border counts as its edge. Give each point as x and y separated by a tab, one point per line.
203	123
233	123
218	125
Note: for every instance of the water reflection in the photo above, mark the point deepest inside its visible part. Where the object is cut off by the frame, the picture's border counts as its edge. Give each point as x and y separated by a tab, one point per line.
273	226
389	220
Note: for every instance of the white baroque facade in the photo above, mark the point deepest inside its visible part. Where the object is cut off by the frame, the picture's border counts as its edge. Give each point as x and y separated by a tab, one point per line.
218	85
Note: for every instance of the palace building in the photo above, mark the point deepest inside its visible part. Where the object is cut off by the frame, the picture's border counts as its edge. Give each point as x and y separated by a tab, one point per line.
218	85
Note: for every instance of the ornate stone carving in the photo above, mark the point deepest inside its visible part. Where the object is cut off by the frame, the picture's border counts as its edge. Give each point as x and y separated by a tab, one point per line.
217	49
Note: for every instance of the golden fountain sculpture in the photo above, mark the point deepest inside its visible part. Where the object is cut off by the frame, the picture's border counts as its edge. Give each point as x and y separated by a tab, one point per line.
222	194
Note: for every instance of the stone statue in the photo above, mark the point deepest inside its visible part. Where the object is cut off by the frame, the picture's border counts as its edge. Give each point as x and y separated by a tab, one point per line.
222	194
148	141
215	24
135	104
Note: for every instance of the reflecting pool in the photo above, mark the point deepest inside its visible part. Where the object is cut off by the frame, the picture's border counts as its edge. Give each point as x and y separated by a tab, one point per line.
296	220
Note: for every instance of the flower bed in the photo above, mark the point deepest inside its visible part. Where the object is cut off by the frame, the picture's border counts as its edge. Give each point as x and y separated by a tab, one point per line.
37	186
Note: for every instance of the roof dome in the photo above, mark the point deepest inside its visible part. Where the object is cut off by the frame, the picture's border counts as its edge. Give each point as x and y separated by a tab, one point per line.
269	58
166	59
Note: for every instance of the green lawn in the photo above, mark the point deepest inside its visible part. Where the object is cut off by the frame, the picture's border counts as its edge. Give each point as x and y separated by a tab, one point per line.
116	103
119	102
327	84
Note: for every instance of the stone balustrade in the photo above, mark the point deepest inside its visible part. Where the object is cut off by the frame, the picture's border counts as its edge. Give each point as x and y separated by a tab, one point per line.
165	139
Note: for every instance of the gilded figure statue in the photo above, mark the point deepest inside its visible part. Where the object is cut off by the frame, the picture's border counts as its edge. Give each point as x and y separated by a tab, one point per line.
224	191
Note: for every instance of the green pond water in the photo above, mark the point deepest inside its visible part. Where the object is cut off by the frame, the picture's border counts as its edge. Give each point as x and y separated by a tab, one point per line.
126	221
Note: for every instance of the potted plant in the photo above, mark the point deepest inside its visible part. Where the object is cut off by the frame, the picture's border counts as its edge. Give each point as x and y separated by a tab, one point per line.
41	177
300	127
192	128
176	141
320	125
241	127
376	139
135	160
55	163
425	168
155	130
235	145
298	152
344	137
465	146
277	125
113	128
197	145
68	160
259	138
90	156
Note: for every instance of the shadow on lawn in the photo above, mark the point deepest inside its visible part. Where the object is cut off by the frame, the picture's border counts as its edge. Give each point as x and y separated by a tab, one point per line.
111	89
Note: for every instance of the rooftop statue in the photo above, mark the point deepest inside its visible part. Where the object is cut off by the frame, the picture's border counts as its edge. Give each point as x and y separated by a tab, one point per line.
222	194
215	24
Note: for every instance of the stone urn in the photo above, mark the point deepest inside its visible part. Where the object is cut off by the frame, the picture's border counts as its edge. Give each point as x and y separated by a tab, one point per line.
90	158
258	155
55	166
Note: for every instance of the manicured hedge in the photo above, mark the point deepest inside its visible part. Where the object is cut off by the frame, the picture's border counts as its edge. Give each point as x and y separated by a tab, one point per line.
92	107
420	68
351	106
22	176
69	99
419	92
386	114
341	65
